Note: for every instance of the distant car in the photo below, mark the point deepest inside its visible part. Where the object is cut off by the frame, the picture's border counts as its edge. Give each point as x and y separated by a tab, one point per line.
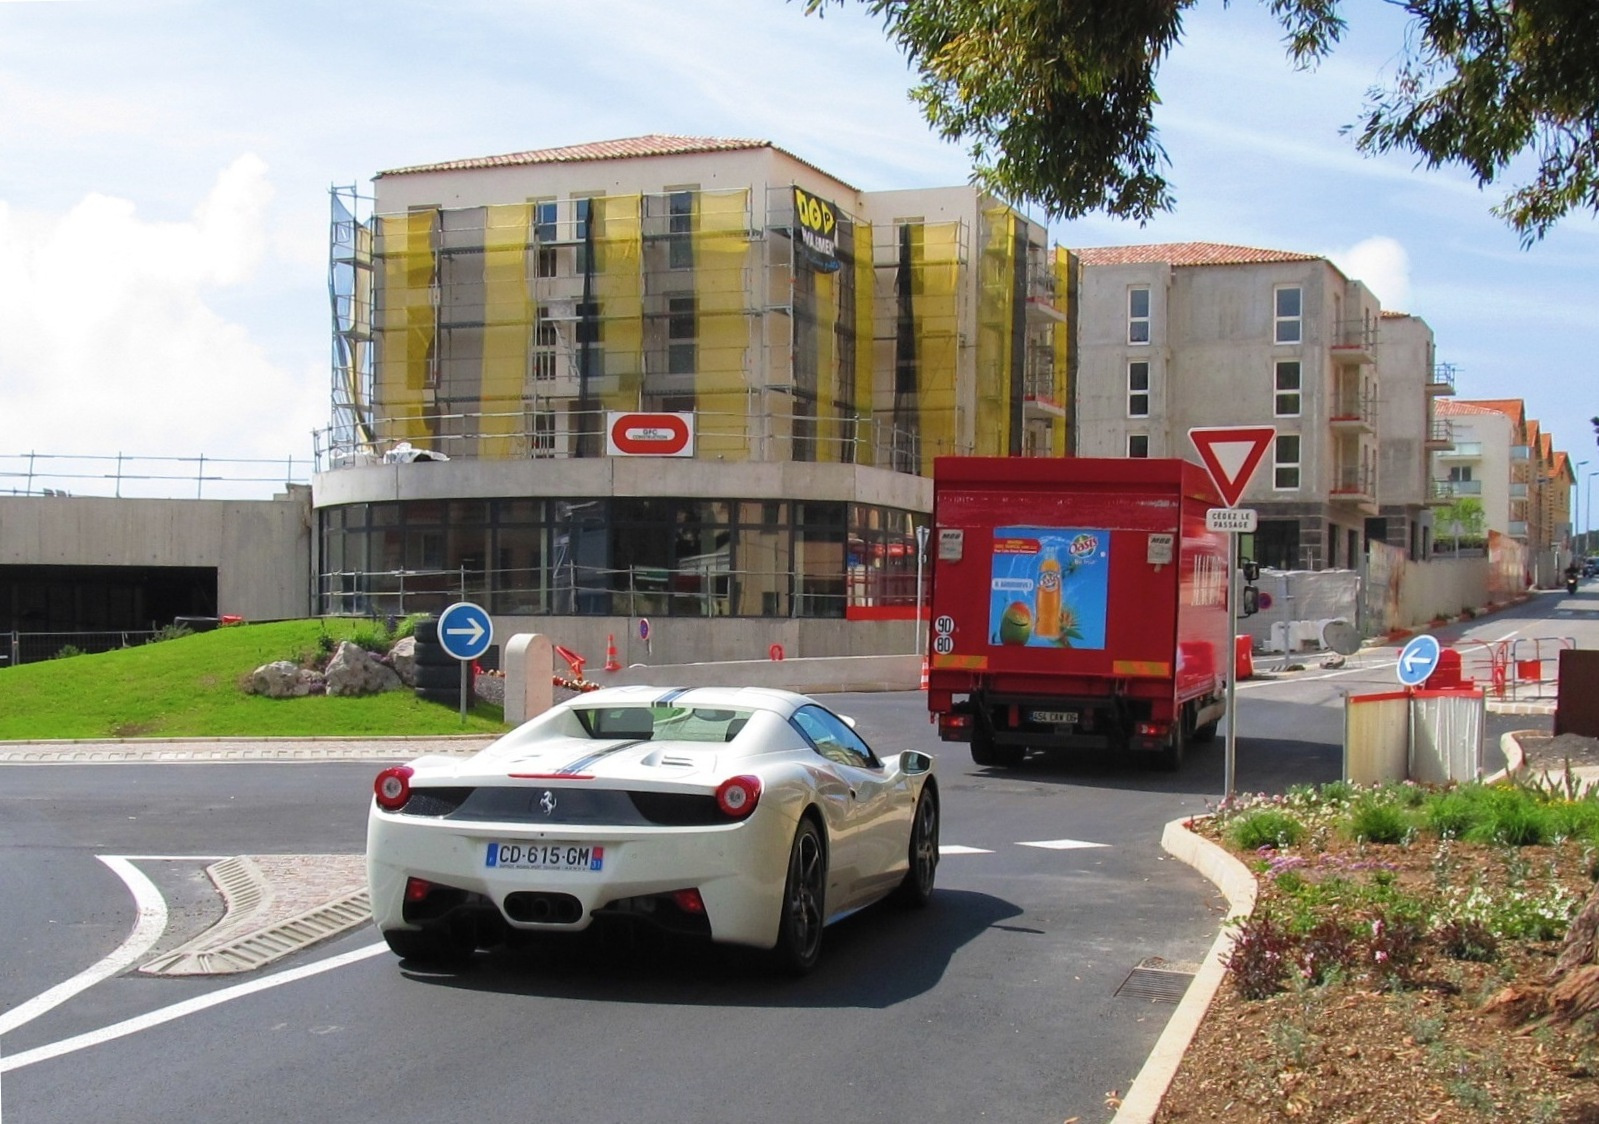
743	815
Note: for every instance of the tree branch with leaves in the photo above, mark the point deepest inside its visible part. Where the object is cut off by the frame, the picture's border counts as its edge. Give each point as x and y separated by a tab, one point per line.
1055	99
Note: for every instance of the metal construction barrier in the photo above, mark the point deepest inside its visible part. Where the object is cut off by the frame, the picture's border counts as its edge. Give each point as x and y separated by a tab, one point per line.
1432	737
1520	670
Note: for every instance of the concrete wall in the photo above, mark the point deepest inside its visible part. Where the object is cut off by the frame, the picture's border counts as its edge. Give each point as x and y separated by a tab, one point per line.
684	640
621	476
261	549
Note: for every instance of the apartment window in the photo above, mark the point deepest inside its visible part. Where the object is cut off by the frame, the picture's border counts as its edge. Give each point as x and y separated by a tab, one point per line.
1290	315
1286	402
544	235
680	227
542	443
681	330
1460	473
1138	444
1285	462
544	341
1138	315
1138	390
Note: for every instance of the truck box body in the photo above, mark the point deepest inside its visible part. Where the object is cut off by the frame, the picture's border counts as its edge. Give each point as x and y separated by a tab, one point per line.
1076	603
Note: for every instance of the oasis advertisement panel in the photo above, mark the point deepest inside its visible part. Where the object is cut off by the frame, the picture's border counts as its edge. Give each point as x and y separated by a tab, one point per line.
1049	587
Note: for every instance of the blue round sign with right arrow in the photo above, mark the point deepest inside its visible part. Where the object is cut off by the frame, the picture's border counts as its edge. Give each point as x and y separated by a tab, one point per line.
465	630
1418	659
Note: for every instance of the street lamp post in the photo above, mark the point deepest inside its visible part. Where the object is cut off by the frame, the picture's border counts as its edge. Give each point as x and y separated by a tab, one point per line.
1587	538
1577	531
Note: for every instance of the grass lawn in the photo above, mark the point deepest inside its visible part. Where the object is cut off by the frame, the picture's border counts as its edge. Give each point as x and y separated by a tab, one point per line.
190	687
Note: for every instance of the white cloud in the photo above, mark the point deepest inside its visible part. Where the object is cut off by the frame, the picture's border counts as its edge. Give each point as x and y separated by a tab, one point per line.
114	343
1383	266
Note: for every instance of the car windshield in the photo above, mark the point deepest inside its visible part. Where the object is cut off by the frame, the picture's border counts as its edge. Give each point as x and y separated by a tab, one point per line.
662	723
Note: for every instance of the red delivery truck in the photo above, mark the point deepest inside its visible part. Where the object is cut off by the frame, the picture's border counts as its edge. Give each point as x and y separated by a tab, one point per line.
1076	603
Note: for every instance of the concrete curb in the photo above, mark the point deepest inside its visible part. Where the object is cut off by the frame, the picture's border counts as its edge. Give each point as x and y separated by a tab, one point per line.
1237	885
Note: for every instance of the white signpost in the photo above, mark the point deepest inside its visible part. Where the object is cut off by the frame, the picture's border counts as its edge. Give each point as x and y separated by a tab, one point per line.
1231	454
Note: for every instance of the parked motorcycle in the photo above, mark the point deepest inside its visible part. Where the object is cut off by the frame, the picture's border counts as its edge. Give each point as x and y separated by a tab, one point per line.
1571	583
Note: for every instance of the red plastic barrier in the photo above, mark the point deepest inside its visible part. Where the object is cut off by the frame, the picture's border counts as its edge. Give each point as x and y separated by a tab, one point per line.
1243	658
775	652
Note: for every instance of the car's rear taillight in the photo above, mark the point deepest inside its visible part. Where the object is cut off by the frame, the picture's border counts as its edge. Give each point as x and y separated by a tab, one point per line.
737	796
689	901
393	787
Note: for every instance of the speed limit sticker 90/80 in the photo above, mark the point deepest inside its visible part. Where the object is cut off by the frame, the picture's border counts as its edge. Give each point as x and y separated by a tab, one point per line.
944	624
943	644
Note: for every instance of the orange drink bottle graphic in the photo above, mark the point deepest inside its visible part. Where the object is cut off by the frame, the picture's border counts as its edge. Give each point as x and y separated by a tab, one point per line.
1047	622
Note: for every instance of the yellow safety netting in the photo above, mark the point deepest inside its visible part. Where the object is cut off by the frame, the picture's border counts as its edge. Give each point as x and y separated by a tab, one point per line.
722	274
406	324
507	312
996	316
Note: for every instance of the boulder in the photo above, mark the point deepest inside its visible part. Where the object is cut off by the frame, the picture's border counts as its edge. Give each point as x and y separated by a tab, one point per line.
402	657
284	679
353	671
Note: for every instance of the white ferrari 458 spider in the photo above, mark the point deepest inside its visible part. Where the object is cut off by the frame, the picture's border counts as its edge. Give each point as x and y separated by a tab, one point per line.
743	815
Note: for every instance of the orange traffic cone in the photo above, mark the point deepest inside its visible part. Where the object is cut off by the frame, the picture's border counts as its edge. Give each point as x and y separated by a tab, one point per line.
611	662
924	673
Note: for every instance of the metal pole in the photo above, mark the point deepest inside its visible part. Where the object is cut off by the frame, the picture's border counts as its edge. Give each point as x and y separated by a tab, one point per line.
1232	666
466	673
921	543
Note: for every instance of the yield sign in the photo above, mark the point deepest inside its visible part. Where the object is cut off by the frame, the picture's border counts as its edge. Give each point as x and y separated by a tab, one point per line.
1231	454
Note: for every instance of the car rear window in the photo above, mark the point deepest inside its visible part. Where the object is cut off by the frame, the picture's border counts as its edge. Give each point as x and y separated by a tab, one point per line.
663	723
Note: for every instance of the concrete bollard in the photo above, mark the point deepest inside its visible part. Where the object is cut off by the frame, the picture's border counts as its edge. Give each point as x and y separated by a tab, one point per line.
529	671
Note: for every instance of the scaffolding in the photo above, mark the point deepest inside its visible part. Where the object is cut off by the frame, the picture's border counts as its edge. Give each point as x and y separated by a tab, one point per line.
514	330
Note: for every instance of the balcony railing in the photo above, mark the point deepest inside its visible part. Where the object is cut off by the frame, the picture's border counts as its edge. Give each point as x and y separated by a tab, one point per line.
1454	489
1354	482
1441	434
1355	341
1443	379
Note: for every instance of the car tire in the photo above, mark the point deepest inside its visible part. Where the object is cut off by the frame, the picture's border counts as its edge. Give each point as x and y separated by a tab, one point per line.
436	947
803	911
442	678
917	888
426	632
448	696
431	655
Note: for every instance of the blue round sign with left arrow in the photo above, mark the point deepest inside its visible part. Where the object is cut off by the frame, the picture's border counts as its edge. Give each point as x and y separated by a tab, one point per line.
1418	659
465	631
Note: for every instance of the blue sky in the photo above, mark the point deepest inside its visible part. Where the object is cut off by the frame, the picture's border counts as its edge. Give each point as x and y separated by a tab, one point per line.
165	165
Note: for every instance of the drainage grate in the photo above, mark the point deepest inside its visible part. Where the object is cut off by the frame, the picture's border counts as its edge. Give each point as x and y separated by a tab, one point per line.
275	905
1157	980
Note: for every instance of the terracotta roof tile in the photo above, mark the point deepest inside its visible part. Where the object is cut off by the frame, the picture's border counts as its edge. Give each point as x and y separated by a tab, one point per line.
655	144
1451	407
1188	253
1513	408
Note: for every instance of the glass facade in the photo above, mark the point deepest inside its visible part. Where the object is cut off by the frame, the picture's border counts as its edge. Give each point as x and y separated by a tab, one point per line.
619	556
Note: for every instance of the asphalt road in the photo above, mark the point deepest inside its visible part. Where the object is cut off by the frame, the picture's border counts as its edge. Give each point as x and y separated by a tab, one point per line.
1000	1002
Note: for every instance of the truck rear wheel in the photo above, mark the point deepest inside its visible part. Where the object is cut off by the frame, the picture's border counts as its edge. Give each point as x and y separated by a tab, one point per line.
1171	758
986	753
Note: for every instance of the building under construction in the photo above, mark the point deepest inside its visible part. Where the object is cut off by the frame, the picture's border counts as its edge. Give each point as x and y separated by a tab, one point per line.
672	377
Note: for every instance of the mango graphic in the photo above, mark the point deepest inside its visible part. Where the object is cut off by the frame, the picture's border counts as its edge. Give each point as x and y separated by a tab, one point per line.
1016	624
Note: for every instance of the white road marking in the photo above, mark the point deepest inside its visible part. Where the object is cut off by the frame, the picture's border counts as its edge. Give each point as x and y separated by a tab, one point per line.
188	1007
957	849
148	926
1061	844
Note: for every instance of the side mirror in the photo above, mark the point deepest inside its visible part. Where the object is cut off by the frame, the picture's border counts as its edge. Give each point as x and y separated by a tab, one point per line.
913	762
1250	568
1250	604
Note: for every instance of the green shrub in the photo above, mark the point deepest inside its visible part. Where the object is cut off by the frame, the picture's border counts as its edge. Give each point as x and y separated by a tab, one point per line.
1512	817
1450	815
67	652
374	636
1373	821
1266	827
172	631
